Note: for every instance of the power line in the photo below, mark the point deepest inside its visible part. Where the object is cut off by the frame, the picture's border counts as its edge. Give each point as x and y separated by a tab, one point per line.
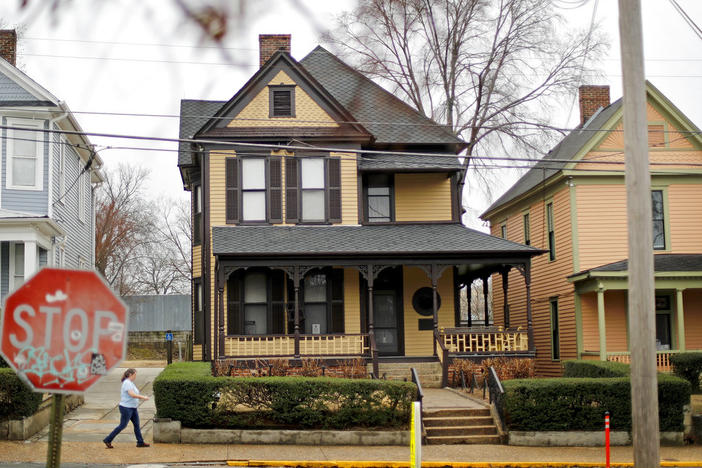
696	29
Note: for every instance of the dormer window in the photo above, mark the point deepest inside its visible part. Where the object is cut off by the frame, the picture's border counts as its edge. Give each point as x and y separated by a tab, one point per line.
282	101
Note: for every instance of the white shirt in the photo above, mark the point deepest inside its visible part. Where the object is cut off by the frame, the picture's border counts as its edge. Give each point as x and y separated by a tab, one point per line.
126	400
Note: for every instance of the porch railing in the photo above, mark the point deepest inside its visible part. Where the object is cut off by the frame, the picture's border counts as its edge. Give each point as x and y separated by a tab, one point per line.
255	346
475	340
662	359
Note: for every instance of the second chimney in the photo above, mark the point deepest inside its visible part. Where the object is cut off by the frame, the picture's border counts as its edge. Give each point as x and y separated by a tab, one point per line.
269	44
592	98
8	45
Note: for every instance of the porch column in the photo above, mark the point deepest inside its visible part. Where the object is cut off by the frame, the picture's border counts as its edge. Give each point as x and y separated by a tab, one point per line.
530	324
296	286
505	302
30	258
220	280
485	300
370	278
470	296
681	318
601	323
434	303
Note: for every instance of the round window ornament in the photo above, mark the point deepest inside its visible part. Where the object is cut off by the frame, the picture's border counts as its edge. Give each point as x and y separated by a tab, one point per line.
423	302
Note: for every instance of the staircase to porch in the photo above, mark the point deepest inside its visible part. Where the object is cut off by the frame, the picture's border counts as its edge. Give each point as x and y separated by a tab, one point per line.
429	372
449	418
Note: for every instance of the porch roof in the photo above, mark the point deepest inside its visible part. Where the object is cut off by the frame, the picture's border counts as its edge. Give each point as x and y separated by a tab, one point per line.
383	240
662	263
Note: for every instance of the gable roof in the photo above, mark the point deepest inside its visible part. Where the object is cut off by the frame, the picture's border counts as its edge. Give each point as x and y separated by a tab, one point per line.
24	90
193	115
388	118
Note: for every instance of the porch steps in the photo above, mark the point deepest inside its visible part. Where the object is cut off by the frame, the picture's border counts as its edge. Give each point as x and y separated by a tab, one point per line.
459	426
429	372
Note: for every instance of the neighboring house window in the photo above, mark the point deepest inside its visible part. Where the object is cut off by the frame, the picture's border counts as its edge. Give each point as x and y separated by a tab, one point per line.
527	233
323	310
81	195
199	316
379	198
62	168
555	339
658	220
312	183
62	256
253	189
197	214
503	231
18	265
255	303
25	150
551	234
664	339
282	101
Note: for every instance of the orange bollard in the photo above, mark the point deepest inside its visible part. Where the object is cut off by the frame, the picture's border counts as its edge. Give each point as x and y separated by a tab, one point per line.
607	437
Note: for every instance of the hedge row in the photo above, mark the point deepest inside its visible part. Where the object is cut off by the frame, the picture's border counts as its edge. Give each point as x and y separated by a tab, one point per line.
595	369
579	404
189	393
688	366
16	399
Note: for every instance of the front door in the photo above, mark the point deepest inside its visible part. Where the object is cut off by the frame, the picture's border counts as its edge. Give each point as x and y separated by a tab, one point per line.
387	336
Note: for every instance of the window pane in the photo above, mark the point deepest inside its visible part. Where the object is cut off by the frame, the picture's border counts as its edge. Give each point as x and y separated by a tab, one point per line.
26	146
255	288
253	173
19	259
316	288
379	208
313	205
386	340
254	206
658	235
378	190
23	171
198	199
549	216
315	318
313	173
255	319
657	204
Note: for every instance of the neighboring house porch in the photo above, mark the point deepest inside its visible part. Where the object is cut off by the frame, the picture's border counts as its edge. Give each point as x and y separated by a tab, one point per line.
375	292
601	309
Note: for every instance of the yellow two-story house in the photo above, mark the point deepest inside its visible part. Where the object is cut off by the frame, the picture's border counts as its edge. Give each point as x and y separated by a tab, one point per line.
572	204
326	221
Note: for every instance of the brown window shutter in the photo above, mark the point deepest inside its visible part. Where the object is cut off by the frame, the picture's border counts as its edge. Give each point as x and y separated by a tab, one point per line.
232	187
275	191
292	198
334	190
337	300
234	304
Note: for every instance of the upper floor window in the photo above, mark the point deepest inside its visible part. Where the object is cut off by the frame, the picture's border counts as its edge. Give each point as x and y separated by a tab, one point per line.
197	214
527	233
551	233
25	154
658	220
82	194
379	198
503	231
281	101
253	189
313	189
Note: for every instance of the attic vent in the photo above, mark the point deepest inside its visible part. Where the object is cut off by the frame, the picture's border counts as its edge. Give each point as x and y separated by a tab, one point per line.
282	101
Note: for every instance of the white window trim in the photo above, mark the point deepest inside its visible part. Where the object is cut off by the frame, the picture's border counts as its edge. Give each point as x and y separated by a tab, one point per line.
81	195
62	170
11	280
39	170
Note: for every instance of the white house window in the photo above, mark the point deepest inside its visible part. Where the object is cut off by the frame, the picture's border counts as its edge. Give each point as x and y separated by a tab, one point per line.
25	151
18	265
313	202
81	196
253	189
62	168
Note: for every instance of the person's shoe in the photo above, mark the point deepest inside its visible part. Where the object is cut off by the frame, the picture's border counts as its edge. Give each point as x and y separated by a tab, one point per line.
143	444
108	444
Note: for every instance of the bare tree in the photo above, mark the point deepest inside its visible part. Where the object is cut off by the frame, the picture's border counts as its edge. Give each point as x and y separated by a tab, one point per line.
485	68
122	226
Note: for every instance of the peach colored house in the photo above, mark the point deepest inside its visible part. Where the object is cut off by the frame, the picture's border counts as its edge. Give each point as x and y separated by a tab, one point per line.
576	211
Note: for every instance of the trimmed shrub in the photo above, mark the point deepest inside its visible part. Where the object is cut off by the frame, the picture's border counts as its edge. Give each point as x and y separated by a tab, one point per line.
570	404
688	366
16	399
595	369
189	393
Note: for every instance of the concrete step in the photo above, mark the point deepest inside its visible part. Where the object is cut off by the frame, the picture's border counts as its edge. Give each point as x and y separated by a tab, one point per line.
454	413
457	421
461	430
474	439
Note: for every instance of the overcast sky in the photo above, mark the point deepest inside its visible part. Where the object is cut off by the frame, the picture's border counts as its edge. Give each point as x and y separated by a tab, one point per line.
142	57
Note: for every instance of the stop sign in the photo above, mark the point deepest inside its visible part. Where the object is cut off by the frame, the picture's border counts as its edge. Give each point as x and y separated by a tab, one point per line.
62	330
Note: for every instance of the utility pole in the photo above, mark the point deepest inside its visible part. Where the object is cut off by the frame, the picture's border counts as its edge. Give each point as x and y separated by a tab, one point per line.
644	385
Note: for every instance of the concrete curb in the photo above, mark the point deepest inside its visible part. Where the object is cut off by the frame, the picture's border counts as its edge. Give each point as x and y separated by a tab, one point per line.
582	438
23	429
439	464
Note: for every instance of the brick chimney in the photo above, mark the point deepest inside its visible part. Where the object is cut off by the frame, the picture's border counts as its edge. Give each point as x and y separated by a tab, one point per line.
8	45
592	98
269	44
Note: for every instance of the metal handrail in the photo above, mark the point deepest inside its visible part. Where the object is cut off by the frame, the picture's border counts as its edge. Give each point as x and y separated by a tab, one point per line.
497	393
420	395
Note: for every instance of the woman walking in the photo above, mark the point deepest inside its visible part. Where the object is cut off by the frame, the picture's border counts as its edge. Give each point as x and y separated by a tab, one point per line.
128	409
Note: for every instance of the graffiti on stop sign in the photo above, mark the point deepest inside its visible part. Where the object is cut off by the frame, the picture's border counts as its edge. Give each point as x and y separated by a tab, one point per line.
63	368
63	329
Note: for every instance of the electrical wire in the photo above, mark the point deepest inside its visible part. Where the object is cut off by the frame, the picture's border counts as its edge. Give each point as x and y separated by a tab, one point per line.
695	28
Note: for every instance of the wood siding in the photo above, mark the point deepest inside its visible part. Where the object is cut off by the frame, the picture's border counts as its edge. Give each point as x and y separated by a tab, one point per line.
349	188
307	112
685	214
197	263
352	303
602	232
422	197
419	343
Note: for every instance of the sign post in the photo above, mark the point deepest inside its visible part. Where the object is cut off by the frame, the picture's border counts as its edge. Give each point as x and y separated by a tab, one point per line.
416	436
169	346
61	331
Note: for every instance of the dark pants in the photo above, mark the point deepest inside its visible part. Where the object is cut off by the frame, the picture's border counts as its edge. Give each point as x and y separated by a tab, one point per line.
126	415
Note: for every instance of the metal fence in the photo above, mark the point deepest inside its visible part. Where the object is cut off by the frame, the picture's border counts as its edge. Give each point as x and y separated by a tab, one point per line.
159	313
